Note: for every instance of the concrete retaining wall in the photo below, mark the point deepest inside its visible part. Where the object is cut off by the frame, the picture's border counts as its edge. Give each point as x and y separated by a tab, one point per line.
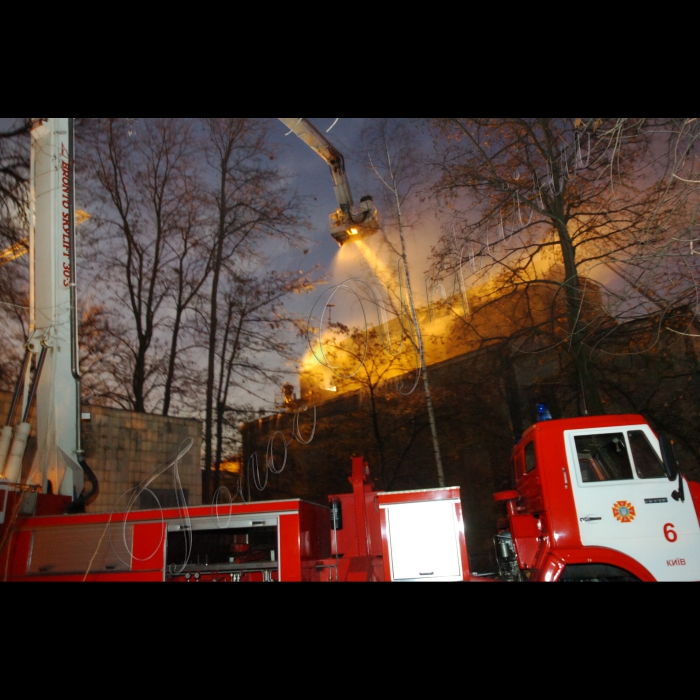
124	448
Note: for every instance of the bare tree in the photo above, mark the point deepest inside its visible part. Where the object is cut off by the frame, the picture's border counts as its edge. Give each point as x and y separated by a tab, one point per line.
253	204
253	338
14	176
99	348
191	267
545	202
367	361
667	275
142	182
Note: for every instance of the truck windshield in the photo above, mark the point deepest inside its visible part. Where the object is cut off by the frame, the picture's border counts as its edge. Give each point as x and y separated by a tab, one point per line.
603	457
646	462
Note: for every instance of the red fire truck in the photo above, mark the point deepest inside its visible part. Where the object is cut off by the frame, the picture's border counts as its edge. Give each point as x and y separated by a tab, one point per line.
361	536
595	499
598	499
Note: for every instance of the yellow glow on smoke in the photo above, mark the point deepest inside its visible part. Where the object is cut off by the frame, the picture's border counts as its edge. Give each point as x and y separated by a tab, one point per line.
372	259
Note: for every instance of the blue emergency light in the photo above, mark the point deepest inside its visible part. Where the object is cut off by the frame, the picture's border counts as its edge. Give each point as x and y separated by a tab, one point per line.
543	412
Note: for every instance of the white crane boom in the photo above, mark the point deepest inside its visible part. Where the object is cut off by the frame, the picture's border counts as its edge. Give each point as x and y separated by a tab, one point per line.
53	325
347	223
54	312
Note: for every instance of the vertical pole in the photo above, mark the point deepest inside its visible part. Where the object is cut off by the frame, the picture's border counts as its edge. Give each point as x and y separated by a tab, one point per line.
421	349
32	239
18	388
32	263
358	488
74	345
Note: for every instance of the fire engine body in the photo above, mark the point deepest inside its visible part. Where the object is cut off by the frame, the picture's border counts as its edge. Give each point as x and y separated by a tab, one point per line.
362	536
596	498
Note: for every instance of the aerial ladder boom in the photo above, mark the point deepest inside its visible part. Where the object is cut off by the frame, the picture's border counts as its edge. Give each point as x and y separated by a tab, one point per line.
55	312
347	223
57	465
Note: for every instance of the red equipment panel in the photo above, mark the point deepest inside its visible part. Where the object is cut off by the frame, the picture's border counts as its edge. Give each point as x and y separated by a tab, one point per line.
148	552
135	546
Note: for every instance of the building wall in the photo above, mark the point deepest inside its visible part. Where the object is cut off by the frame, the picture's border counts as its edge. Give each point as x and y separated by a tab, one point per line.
448	334
125	448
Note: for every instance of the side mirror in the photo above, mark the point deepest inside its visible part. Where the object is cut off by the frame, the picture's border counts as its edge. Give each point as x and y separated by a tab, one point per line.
669	459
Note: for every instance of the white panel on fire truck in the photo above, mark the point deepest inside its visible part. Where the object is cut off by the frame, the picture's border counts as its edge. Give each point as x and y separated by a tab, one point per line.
423	541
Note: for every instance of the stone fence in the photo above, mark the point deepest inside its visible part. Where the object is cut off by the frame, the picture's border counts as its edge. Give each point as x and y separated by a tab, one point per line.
124	448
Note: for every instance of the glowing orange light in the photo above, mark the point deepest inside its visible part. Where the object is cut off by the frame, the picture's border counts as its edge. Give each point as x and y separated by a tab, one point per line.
17	250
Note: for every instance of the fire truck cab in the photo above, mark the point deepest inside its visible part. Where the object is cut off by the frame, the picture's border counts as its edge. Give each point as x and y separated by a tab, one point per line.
598	499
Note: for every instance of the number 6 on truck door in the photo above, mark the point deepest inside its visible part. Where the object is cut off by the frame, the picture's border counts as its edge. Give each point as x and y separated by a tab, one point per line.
624	503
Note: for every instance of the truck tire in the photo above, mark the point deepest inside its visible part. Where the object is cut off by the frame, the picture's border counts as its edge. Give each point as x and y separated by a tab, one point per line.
596	573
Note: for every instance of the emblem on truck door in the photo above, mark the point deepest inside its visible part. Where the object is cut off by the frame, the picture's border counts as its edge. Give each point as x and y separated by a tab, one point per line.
624	512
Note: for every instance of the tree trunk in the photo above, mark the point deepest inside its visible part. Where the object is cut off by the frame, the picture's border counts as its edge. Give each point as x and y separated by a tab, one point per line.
512	392
171	364
139	380
213	328
421	350
220	410
227	364
377	432
593	404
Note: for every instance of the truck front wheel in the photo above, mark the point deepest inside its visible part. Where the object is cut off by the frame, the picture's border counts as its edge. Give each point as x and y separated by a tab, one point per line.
596	573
